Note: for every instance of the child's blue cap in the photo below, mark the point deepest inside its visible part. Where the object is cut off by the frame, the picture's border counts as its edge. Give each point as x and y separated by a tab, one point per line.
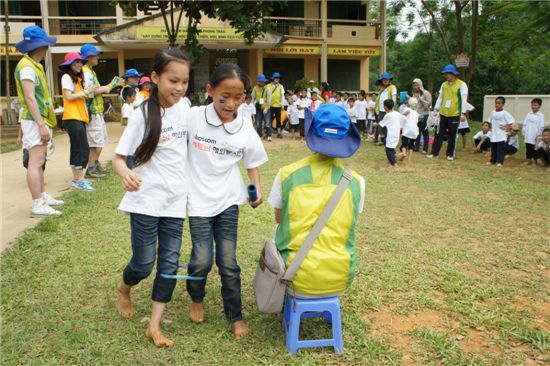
262	78
34	37
276	75
330	132
89	50
131	73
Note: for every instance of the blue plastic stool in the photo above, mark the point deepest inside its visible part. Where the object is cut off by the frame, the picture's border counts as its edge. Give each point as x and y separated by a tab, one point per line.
296	309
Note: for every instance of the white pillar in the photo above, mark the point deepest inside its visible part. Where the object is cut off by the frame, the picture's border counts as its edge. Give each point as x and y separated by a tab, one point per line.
324	48
48	59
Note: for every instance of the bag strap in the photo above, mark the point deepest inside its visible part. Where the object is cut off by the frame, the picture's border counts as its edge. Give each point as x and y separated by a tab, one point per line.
318	227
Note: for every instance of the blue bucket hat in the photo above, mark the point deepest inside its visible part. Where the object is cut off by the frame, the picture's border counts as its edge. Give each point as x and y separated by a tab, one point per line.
34	37
276	75
330	131
386	75
89	50
450	68
262	78
132	73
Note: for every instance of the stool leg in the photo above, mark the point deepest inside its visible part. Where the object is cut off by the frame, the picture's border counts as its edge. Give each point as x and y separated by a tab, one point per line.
293	333
337	329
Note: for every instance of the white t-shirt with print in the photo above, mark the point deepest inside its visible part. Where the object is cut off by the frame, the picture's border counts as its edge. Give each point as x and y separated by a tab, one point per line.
410	124
247	110
303	103
164	182
215	150
127	110
499	119
276	200
392	121
361	106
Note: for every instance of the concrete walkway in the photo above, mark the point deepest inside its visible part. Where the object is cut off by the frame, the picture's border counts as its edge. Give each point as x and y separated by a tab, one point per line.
16	199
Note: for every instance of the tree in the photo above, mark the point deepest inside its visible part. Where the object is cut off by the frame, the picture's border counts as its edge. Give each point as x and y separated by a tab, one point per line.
435	15
245	16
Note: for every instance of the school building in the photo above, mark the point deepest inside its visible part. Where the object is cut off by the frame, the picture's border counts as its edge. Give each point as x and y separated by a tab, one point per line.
323	40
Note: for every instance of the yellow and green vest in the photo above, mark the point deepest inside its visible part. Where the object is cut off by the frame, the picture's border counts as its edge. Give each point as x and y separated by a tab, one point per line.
451	92
276	95
306	187
41	92
95	104
379	104
260	92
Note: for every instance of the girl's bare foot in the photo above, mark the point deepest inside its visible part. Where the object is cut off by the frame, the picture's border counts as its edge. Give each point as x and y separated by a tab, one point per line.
196	313
158	338
124	302
240	329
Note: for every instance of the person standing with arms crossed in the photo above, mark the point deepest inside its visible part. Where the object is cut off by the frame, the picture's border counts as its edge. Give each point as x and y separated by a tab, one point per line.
452	107
424	104
37	115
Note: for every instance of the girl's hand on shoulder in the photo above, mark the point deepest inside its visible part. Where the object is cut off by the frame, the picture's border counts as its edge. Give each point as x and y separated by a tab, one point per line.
131	182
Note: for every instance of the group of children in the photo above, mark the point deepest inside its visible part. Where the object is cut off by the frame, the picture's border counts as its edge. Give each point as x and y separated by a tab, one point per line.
500	135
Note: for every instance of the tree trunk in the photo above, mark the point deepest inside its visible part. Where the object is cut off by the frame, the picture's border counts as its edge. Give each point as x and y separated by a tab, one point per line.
473	51
460	34
439	30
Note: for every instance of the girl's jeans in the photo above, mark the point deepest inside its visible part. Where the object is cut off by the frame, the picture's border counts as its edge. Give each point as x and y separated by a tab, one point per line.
146	230
221	229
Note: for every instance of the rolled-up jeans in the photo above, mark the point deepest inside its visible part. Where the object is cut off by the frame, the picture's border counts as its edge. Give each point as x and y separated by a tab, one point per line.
221	229
424	133
145	232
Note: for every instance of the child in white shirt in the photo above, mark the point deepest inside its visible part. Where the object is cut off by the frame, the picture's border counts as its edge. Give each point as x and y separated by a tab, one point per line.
464	126
512	143
533	124
501	122
292	114
371	117
410	128
352	111
302	103
219	139
392	121
482	139
248	110
361	106
542	148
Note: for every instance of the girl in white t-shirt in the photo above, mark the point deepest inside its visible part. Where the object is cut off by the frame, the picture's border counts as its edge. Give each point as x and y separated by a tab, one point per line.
302	103
157	186
219	138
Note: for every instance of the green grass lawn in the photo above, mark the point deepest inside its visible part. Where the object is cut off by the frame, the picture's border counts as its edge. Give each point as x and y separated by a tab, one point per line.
7	146
454	269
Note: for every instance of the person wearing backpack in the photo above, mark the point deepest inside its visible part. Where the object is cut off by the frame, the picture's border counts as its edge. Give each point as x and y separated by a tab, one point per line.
306	186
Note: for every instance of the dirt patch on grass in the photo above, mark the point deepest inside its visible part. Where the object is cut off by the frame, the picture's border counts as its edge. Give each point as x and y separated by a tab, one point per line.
394	328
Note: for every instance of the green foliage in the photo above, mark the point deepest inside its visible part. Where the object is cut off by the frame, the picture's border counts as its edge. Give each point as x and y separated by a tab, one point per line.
512	51
245	16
